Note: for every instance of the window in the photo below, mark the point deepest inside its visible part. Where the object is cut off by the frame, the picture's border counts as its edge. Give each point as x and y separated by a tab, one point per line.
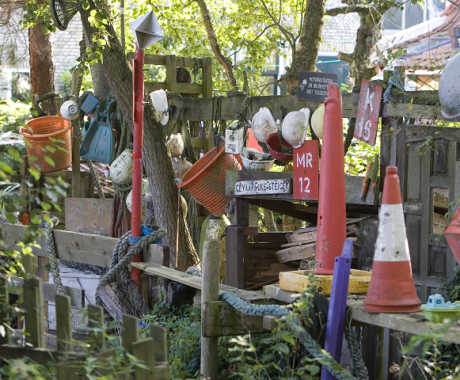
412	14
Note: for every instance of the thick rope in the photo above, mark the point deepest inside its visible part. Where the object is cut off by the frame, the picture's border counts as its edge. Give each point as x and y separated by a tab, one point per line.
394	81
310	344
119	264
355	351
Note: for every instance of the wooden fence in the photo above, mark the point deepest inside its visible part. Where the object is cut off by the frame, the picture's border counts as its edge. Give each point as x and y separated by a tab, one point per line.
152	352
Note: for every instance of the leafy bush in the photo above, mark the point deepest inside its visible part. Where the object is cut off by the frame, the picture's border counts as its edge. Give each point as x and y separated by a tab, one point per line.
13	115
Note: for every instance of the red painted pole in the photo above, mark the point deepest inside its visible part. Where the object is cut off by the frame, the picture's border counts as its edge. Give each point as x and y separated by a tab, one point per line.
138	115
331	232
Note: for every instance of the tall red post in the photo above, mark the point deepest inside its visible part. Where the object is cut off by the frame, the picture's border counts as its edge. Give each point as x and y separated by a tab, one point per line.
331	232
138	142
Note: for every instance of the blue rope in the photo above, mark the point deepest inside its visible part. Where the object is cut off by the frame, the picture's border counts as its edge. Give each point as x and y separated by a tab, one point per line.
394	81
252	309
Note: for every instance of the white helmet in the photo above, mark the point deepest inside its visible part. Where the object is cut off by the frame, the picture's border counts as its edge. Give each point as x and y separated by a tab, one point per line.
263	124
295	126
317	121
449	89
160	103
69	110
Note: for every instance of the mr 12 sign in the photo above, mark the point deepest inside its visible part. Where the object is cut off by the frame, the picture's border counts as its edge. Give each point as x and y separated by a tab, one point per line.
306	171
367	119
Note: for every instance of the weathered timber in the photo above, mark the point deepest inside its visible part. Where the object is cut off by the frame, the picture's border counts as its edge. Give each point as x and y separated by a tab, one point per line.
71	246
353	185
306	213
193	281
221	319
143	351
34	316
160	351
4	316
414	323
63	322
77	296
87	213
234	256
130	332
121	298
299	252
201	109
209	292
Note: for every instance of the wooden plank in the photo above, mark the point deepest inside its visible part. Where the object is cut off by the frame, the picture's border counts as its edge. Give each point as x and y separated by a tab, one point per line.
201	108
234	256
38	355
183	88
353	185
130	333
241	212
223	320
77	296
87	213
286	208
63	323
160	60
160	351
305	251
121	298
67	371
193	281
103	360
34	316
96	321
275	292
71	246
414	111
143	351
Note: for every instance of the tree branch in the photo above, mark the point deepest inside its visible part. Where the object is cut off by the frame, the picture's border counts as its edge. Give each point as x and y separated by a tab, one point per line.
221	58
254	40
453	2
289	36
359	8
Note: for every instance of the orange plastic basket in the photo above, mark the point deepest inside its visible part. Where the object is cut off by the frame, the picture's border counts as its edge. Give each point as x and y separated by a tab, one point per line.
205	180
39	133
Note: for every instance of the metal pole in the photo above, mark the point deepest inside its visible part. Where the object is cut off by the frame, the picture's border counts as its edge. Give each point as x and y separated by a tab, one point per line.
338	306
138	115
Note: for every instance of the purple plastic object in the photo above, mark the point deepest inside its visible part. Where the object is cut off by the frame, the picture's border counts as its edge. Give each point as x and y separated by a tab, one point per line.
338	306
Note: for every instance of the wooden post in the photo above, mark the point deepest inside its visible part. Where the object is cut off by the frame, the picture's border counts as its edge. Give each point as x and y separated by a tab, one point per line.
4	300
208	134
130	332
234	256
160	350
63	322
171	80
209	292
96	321
34	317
76	177
143	351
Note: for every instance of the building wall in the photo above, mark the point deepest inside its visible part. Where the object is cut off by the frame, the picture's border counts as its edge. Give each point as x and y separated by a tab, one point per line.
66	50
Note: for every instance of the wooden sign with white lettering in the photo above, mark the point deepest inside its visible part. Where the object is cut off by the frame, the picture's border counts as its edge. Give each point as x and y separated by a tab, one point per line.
367	120
263	187
313	85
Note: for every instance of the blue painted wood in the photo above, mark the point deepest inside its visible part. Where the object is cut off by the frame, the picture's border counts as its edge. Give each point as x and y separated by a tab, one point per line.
338	305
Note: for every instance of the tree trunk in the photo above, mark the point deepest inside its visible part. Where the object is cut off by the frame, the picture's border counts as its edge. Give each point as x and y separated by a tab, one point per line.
307	53
157	162
101	88
41	64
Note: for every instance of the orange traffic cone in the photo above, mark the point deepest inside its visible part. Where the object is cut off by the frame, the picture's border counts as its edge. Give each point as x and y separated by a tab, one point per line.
392	288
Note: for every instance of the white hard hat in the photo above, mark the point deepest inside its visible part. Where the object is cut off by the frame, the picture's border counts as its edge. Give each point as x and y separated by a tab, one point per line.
69	110
160	103
449	89
263	124
295	126
317	121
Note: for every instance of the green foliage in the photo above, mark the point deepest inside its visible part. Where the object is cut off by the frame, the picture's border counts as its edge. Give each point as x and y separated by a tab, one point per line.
25	369
13	115
183	329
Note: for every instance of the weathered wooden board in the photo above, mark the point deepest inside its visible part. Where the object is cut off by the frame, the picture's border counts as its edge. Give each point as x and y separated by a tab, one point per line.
300	252
353	185
410	323
71	246
77	296
223	320
87	213
202	108
193	281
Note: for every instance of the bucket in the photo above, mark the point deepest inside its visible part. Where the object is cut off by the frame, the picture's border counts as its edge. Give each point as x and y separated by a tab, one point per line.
205	180
41	142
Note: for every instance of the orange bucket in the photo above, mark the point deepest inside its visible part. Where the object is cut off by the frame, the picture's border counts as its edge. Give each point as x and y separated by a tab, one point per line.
39	134
205	180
